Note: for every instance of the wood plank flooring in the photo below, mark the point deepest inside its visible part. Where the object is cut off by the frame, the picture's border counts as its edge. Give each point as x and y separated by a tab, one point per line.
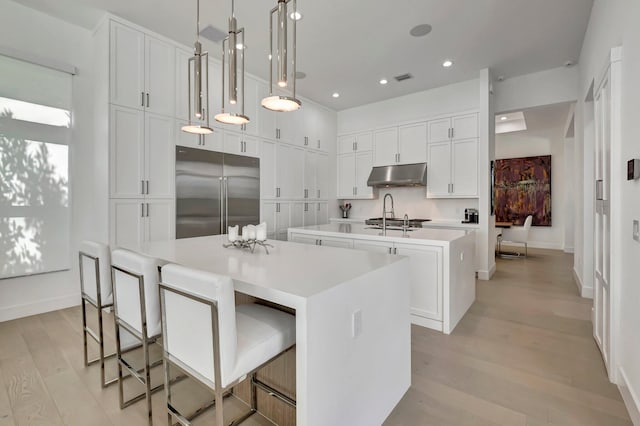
523	355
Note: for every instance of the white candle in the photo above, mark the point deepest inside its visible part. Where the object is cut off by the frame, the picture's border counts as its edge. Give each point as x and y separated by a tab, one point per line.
261	232
245	233
252	232
233	233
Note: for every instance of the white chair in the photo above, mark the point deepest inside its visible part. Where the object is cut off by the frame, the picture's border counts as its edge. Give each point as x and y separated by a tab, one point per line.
137	311
518	234
214	341
95	287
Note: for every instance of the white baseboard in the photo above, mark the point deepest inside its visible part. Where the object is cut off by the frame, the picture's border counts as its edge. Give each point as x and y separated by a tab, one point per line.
426	322
38	307
486	275
630	397
534	244
586	292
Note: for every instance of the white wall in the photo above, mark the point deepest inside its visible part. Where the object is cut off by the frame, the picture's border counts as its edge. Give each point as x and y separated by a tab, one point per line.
429	103
613	23
534	143
31	32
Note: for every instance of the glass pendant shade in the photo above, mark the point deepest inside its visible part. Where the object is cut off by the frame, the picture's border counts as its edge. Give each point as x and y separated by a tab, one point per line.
233	67
198	87
282	94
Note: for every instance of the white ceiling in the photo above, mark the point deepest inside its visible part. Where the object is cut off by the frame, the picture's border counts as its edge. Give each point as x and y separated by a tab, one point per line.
347	46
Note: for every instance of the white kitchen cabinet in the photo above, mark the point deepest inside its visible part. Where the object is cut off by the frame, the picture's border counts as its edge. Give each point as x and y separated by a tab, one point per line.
453	157
426	275
277	216
304	239
268	167
310	214
142	71
439	170
135	221
240	144
251	106
355	143
322	176
335	242
464	167
266	118
159	164
296	215
326	132
456	127
353	173
289	171
141	154
373	246
310	174
453	169
322	213
126	152
385	147
127	57
412	143
406	144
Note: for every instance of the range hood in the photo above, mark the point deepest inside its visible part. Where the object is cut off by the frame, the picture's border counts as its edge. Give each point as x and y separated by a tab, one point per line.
399	175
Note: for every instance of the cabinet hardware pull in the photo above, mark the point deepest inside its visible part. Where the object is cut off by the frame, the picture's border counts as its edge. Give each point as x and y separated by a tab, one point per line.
599	190
147	100
147	209
141	209
318	206
142	187
318	193
356	146
142	99
395	250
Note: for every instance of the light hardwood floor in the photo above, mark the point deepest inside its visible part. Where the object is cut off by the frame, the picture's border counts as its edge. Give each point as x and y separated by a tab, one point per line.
523	355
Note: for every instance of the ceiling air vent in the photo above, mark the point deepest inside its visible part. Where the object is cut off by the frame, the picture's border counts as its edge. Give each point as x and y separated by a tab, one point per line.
403	77
214	34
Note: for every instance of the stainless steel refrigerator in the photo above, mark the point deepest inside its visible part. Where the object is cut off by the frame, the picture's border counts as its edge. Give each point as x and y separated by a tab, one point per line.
215	190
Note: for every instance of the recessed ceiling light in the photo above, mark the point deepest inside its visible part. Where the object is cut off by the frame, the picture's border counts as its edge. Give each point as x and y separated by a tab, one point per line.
503	118
300	75
420	30
296	16
383	81
336	95
447	63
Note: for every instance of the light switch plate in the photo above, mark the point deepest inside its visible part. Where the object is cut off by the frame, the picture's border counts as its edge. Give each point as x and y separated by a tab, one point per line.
356	326
636	230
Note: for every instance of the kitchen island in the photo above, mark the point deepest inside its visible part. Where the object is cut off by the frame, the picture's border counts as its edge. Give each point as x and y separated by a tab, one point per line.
441	265
353	335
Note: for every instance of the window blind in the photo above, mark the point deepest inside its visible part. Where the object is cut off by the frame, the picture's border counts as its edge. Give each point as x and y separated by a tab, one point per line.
35	119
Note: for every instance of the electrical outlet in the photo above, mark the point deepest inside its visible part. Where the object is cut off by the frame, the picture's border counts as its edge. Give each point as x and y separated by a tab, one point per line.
356	324
636	230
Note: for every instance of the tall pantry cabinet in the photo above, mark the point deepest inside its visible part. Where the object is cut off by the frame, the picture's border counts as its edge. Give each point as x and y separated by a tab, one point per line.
135	133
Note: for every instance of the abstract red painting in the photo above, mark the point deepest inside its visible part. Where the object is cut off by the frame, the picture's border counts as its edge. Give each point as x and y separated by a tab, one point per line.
523	188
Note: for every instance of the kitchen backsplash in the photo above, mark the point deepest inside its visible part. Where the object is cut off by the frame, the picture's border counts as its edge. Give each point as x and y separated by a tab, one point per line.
411	201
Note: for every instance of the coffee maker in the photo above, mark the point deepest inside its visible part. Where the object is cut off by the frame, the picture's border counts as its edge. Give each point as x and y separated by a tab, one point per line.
471	216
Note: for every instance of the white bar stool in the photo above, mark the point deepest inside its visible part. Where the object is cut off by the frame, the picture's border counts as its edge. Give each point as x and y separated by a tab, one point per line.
95	286
137	311
216	342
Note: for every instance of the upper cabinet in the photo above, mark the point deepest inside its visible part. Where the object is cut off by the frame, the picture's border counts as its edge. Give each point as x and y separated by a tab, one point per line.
458	127
355	143
453	157
142	71
406	144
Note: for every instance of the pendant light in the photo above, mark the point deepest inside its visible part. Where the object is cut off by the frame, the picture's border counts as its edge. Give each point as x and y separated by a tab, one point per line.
230	47
199	108
285	79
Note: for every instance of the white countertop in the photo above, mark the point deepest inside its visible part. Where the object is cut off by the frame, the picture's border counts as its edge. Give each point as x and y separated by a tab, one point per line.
354	230
289	270
434	223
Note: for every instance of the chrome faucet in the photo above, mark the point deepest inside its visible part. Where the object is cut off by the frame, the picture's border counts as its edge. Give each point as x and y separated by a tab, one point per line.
384	212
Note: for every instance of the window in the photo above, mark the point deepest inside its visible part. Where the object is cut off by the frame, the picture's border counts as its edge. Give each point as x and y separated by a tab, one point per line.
35	118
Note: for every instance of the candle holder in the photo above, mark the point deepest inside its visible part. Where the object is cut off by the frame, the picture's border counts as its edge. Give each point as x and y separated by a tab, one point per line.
248	244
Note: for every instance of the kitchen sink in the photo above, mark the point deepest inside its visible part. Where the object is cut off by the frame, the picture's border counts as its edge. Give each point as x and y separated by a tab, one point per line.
389	228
